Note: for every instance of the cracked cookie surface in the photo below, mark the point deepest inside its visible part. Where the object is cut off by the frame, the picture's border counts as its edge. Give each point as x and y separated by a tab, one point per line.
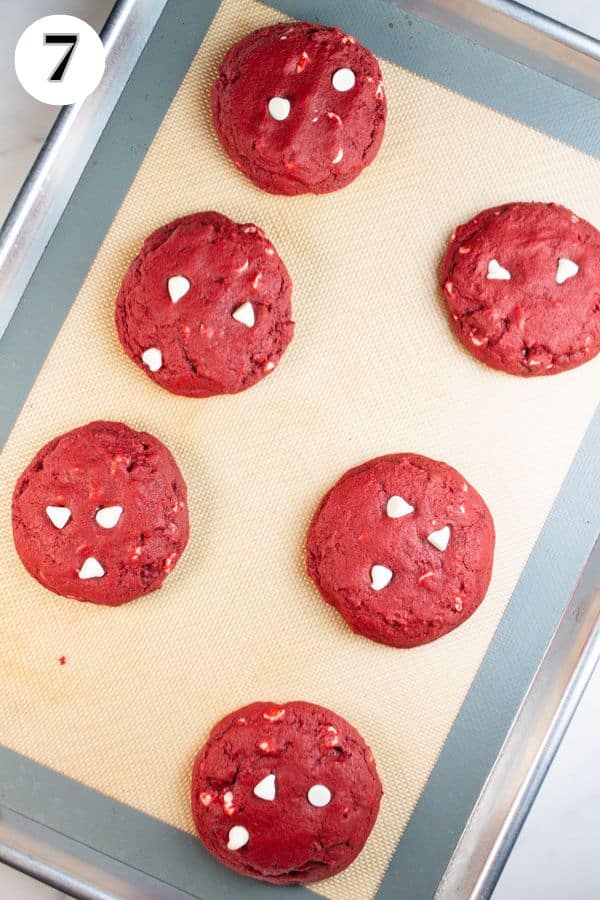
522	285
402	546
286	793
299	107
205	308
100	514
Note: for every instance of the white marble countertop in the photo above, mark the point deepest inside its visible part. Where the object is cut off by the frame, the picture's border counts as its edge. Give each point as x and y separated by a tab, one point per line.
556	855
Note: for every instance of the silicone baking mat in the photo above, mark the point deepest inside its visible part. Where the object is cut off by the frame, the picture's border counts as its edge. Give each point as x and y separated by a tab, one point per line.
373	369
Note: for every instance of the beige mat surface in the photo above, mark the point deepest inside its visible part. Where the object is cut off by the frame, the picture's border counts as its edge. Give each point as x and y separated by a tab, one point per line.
373	369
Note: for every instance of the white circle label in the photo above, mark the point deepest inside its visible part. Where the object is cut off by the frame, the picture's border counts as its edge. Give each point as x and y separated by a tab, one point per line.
59	60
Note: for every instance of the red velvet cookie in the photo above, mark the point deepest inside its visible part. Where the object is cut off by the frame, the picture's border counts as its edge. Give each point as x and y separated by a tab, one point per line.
205	307
286	793
402	546
299	108
522	284
100	514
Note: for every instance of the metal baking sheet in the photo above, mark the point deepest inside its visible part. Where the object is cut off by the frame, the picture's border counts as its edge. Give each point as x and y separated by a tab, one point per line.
165	854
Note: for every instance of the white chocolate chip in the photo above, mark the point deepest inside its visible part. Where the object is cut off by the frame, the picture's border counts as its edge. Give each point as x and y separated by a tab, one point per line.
338	157
343	80
274	715
319	795
380	577
243	267
279	108
244	314
152	358
229	807
496	272
108	516
238	837
169	563
58	515
439	539
91	569
398	507
265	789
302	61
565	269
330	739
178	286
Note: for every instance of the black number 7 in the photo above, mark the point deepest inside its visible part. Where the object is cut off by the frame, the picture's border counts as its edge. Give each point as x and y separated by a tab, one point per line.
61	68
